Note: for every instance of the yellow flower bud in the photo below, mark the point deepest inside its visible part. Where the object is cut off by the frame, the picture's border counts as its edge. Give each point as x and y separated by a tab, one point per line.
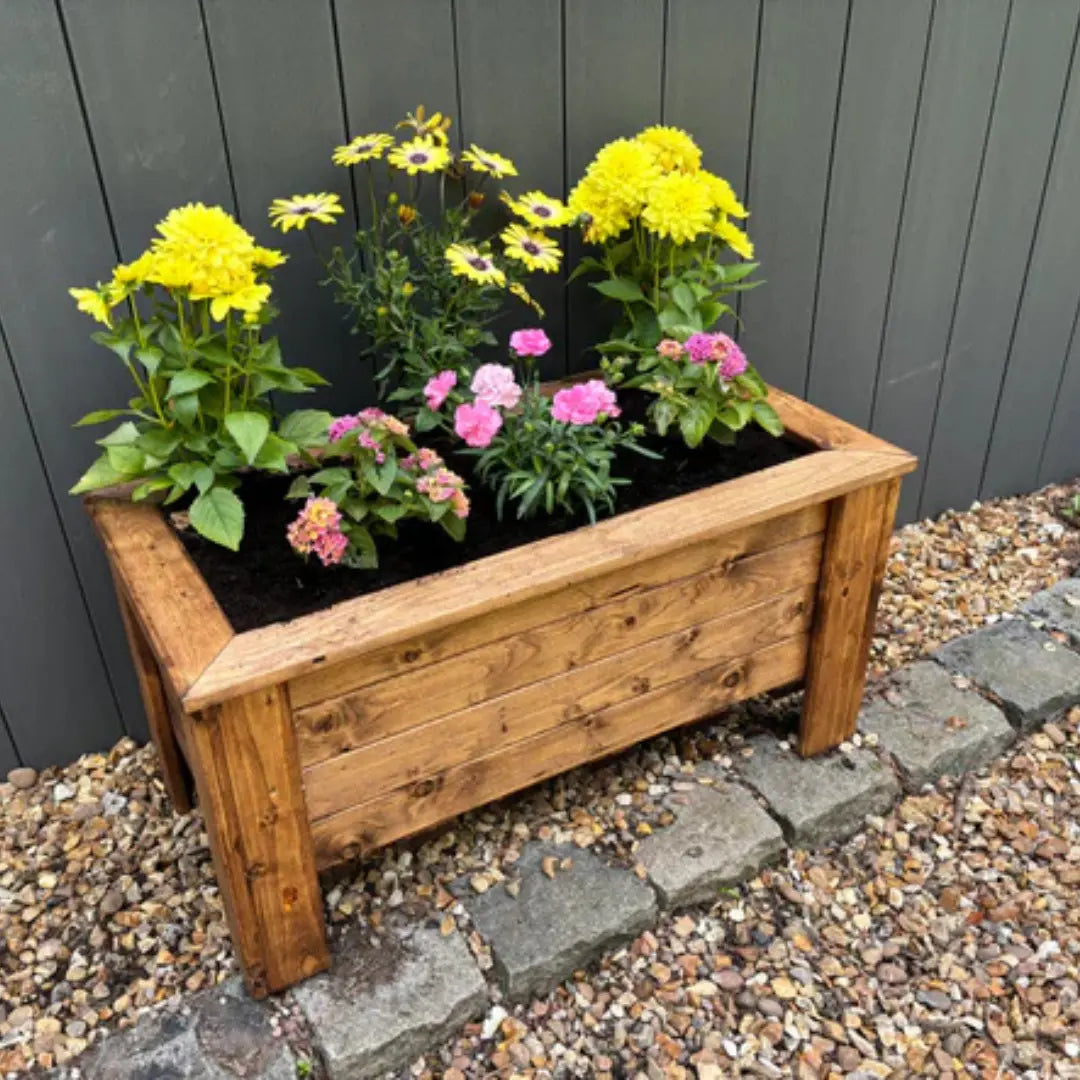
382	311
406	214
408	289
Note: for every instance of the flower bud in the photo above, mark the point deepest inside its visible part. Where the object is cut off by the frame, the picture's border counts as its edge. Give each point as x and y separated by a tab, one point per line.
406	214
408	289
382	311
476	200
392	198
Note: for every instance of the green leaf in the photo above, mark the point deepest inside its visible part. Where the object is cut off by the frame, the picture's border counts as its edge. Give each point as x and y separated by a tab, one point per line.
308	376
300	488
391	511
158	442
694	423
100	474
183	473
187	381
150	357
216	353
729	273
426	419
684	299
128	460
454	526
766	416
587	265
619	288
362	553
204	478
275	454
306	427
664	415
385	475
157	484
618	253
124	435
185	409
121	345
99	416
711	311
218	515
336	475
249	429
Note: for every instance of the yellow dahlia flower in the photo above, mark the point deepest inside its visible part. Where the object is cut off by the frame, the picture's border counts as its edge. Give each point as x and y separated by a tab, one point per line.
674	148
605	217
624	171
419	155
470	262
267	258
534	249
362	148
679	207
484	161
723	195
295	213
249	299
93	302
734	237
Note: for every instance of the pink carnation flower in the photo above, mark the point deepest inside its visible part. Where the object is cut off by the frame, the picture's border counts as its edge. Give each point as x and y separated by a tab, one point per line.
700	348
437	388
495	385
477	424
583	403
729	356
670	349
530	342
342	426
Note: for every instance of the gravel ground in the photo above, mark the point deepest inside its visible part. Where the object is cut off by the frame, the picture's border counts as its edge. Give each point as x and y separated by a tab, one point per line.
108	902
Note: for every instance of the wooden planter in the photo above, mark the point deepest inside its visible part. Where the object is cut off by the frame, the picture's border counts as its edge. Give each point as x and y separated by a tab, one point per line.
316	741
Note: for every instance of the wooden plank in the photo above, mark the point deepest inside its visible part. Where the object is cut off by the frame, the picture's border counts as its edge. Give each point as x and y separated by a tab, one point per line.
155	701
954	114
9	757
799	65
510	67
416	807
1033	76
286	650
878	101
281	107
1060	458
174	605
714	555
153	118
614	74
248	779
815	427
856	546
709	79
417	752
1044	325
55	234
554	647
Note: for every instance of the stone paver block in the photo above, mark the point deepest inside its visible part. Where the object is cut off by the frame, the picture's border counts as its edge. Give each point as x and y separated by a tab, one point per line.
819	800
219	1034
1032	675
721	836
386	1001
556	925
1058	607
932	728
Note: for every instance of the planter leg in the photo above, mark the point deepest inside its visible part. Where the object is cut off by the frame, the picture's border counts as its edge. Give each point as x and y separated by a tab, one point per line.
174	773
856	547
247	773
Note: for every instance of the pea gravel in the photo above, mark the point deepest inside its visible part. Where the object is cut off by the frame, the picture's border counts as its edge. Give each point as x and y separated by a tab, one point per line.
945	940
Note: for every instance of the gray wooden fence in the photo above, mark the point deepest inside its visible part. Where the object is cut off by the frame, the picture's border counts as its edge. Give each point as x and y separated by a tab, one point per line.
913	168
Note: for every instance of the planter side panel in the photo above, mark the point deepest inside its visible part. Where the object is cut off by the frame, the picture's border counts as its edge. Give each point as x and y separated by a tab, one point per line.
594	735
391	690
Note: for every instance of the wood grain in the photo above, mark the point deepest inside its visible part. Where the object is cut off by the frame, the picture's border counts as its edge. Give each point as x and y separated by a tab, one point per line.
419	806
173	604
506	621
288	650
248	779
856	547
173	771
455	739
638	615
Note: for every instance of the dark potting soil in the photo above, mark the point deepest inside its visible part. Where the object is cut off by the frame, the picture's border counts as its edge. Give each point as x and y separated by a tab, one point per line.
267	582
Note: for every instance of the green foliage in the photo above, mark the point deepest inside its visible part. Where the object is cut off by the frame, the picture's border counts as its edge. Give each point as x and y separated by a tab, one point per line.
546	466
201	410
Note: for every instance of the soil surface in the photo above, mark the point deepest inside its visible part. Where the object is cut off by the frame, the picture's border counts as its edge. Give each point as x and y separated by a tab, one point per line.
267	582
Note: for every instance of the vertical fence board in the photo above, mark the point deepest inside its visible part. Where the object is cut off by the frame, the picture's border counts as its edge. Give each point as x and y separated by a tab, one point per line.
146	80
886	50
799	61
55	234
277	77
614	79
8	756
709	79
954	113
1060	459
1033	74
55	695
1045	323
510	68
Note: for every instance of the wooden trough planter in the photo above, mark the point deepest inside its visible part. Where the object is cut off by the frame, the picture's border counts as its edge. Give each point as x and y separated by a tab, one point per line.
318	740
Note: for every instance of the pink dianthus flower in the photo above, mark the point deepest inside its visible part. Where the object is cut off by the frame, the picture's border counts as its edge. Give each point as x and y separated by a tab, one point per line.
584	403
438	387
495	385
529	342
477	424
